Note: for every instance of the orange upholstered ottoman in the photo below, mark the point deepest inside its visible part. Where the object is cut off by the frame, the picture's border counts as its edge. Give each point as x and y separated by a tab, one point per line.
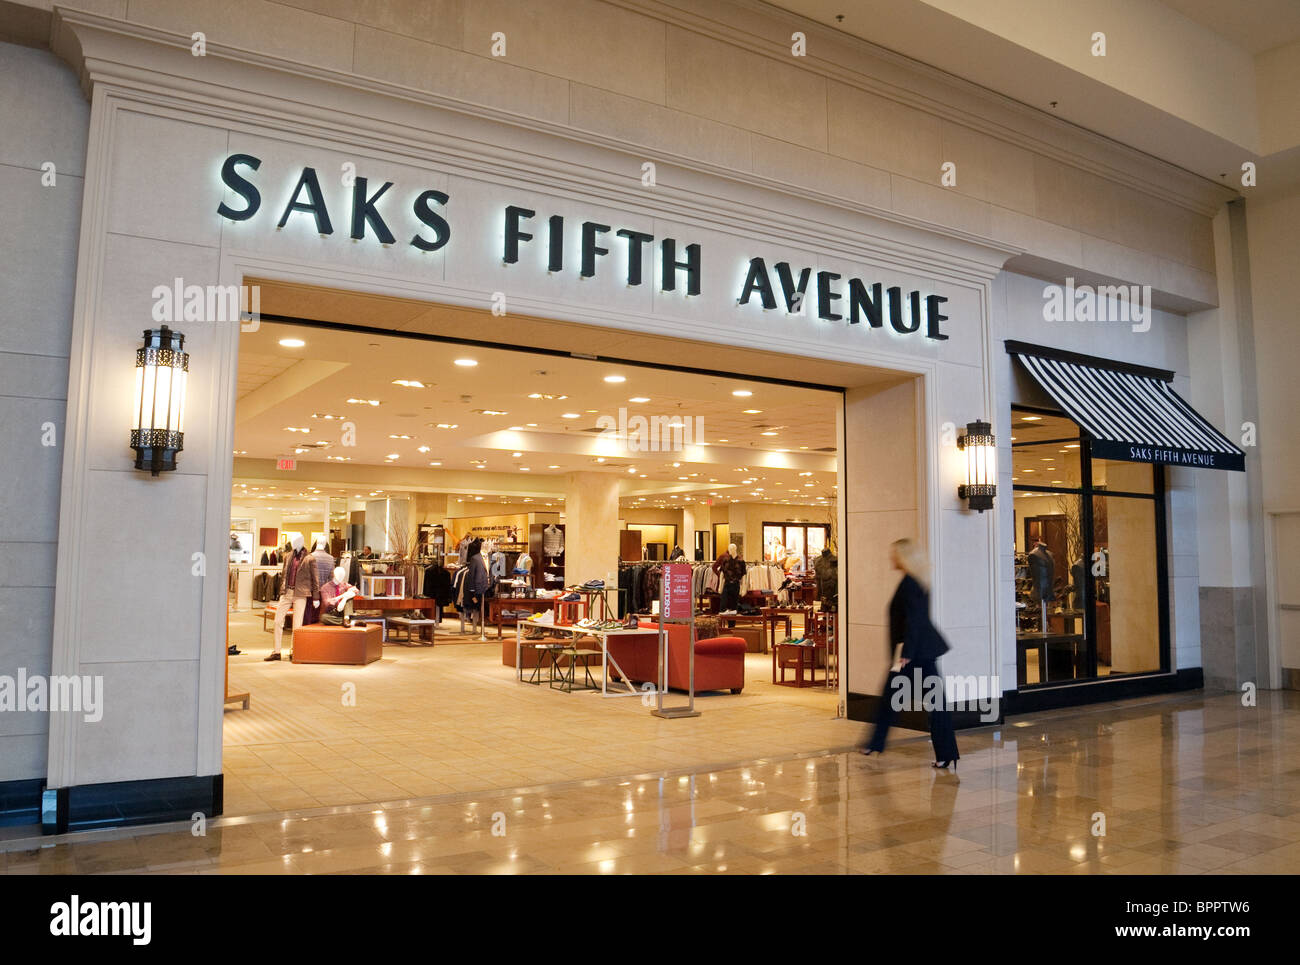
346	645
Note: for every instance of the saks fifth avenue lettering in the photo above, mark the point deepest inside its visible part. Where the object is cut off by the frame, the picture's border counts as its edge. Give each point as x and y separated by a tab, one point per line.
680	264
1173	457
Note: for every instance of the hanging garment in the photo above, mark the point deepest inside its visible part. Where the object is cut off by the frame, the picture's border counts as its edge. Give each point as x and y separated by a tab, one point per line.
437	584
265	559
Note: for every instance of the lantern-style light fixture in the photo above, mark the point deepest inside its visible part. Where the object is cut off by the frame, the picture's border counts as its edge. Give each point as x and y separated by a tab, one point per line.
161	371
981	466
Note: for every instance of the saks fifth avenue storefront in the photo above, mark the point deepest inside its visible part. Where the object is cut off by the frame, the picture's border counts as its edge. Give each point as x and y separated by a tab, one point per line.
219	174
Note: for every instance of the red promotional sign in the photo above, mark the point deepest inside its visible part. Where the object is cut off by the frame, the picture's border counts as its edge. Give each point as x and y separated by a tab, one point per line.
677	592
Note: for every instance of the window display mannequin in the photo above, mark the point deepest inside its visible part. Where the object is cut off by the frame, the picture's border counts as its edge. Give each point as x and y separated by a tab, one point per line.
336	599
300	586
731	568
1042	579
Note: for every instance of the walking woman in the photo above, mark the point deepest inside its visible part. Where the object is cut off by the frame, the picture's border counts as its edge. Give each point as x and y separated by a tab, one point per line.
910	625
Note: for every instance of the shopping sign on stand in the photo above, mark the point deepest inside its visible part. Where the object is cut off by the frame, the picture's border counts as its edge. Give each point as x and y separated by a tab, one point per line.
677	592
677	605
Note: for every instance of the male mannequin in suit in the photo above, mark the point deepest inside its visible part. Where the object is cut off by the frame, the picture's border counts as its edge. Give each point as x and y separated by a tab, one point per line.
300	586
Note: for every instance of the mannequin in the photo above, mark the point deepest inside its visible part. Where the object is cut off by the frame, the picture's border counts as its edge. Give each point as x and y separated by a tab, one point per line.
677	554
1042	575
827	568
324	561
336	599
300	586
732	570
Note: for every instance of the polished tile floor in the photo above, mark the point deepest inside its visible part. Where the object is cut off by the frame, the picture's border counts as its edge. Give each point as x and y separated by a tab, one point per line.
1184	784
437	720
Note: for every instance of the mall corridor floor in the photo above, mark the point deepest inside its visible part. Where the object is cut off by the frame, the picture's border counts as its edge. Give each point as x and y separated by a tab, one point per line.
1182	784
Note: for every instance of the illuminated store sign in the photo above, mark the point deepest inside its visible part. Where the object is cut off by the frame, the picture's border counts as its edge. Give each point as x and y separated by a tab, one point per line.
835	298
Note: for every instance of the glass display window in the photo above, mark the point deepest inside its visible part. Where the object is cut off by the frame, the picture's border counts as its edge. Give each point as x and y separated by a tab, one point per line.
1091	598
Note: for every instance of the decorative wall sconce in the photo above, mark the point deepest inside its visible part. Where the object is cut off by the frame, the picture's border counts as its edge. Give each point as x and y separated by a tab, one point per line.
981	466
161	371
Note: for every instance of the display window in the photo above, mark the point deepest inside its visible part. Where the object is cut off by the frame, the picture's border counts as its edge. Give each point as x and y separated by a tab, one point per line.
1089	557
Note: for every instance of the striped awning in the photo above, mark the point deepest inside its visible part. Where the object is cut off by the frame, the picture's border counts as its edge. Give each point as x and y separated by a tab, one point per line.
1130	412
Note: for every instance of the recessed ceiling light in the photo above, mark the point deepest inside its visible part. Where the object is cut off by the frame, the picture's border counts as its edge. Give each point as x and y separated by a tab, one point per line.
401	436
571	415
742	393
467	363
524	469
295	429
600	458
392	455
753	411
445	425
435	463
363	402
409	383
515	428
552	467
639	398
515	455
422	449
478	499
615	379
1032	418
767	433
292	343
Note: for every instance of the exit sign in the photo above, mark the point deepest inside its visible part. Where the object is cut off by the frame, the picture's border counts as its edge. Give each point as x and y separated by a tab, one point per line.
286	464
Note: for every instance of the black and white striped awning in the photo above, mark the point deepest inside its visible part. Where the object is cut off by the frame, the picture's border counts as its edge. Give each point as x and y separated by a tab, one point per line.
1131	412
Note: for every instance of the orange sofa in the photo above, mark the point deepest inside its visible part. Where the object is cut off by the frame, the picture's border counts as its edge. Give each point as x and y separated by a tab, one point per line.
719	661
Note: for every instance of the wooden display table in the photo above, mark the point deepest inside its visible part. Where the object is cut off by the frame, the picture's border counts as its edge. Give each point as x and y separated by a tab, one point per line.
319	643
414	630
395	603
498	604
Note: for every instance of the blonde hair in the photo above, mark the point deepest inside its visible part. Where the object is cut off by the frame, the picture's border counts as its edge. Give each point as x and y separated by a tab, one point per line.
913	561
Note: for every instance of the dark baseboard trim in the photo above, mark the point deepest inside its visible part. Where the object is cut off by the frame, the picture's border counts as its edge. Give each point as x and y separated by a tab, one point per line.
96	806
20	802
1101	691
964	716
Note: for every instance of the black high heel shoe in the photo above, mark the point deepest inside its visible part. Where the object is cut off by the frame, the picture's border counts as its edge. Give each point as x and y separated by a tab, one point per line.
943	765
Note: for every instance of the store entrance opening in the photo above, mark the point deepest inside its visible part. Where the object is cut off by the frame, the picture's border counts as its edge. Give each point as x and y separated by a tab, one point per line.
459	548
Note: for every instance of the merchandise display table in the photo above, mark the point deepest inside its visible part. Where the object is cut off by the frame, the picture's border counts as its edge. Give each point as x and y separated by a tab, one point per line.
338	645
798	657
500	604
602	637
1060	655
414	626
424	603
772	615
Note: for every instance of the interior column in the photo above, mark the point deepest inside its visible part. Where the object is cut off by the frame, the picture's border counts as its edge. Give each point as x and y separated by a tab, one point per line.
591	528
